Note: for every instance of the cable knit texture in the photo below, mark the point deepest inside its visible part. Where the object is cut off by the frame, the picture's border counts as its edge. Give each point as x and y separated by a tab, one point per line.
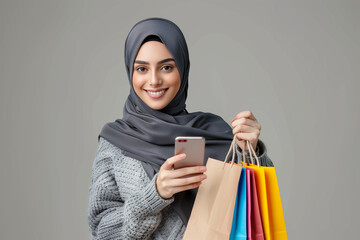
124	202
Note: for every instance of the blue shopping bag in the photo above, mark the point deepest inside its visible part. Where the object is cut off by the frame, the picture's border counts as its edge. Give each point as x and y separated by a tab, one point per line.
239	227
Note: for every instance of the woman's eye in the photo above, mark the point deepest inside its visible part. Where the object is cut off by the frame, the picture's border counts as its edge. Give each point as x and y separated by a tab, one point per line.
167	68
140	69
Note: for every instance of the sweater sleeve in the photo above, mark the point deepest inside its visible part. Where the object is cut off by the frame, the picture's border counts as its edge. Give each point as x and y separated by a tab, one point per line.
111	215
261	153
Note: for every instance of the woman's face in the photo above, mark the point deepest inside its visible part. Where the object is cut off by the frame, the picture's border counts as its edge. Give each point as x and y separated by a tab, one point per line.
156	79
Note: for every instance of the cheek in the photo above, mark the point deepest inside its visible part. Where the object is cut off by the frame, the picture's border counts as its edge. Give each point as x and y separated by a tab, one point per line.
174	80
137	82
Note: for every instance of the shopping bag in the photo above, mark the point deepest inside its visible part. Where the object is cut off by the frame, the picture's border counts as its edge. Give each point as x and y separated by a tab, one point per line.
239	224
213	209
259	174
276	215
248	203
255	228
269	200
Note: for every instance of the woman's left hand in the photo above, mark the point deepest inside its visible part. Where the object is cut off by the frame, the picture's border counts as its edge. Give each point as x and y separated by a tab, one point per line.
246	127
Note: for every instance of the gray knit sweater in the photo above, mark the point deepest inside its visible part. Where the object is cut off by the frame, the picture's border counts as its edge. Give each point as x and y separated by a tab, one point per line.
124	202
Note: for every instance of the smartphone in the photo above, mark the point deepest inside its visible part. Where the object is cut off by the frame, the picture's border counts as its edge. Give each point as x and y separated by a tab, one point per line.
193	147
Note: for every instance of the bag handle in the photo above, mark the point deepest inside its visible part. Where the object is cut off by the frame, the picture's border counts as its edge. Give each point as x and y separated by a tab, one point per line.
232	147
251	152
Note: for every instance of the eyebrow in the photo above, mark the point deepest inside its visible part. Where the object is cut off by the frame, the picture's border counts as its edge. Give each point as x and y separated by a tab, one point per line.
160	62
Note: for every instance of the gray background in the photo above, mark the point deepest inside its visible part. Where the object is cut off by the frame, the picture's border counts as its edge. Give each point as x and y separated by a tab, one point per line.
294	64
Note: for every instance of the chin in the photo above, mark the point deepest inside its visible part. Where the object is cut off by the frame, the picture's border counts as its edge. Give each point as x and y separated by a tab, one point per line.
156	106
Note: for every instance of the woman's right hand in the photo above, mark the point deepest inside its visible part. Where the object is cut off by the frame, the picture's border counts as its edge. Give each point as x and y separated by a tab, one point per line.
170	181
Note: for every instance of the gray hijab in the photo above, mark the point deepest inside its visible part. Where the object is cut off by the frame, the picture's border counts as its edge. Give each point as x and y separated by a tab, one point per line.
148	135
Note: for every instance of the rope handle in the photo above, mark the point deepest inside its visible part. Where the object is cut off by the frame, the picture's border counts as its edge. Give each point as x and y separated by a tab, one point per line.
251	153
232	147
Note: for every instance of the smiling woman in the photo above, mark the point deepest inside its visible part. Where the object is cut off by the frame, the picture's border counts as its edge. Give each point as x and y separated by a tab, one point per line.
156	78
135	193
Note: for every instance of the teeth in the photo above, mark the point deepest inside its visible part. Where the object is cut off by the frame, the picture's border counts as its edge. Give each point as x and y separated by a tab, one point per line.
156	93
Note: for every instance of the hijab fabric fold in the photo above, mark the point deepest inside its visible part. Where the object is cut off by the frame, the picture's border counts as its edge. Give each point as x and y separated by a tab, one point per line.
148	135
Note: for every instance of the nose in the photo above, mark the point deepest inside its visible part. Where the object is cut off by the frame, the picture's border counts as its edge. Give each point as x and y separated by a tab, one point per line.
155	79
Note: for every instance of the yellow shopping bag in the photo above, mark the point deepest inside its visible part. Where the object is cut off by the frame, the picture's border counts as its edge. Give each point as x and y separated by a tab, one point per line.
276	215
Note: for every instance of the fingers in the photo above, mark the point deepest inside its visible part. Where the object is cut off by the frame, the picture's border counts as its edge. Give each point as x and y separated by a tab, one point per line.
181	182
242	144
245	121
174	186
170	174
181	172
169	163
245	129
252	137
186	187
170	181
245	114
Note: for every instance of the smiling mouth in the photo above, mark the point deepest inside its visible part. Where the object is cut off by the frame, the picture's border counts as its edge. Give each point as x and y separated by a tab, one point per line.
156	93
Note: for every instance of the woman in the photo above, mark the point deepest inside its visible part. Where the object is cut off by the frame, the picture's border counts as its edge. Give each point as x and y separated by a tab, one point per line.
134	193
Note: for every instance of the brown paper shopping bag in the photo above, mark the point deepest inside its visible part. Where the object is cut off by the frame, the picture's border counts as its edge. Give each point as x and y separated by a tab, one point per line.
213	210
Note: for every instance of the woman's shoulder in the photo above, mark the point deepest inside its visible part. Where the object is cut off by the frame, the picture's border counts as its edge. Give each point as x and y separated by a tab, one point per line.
108	150
123	167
